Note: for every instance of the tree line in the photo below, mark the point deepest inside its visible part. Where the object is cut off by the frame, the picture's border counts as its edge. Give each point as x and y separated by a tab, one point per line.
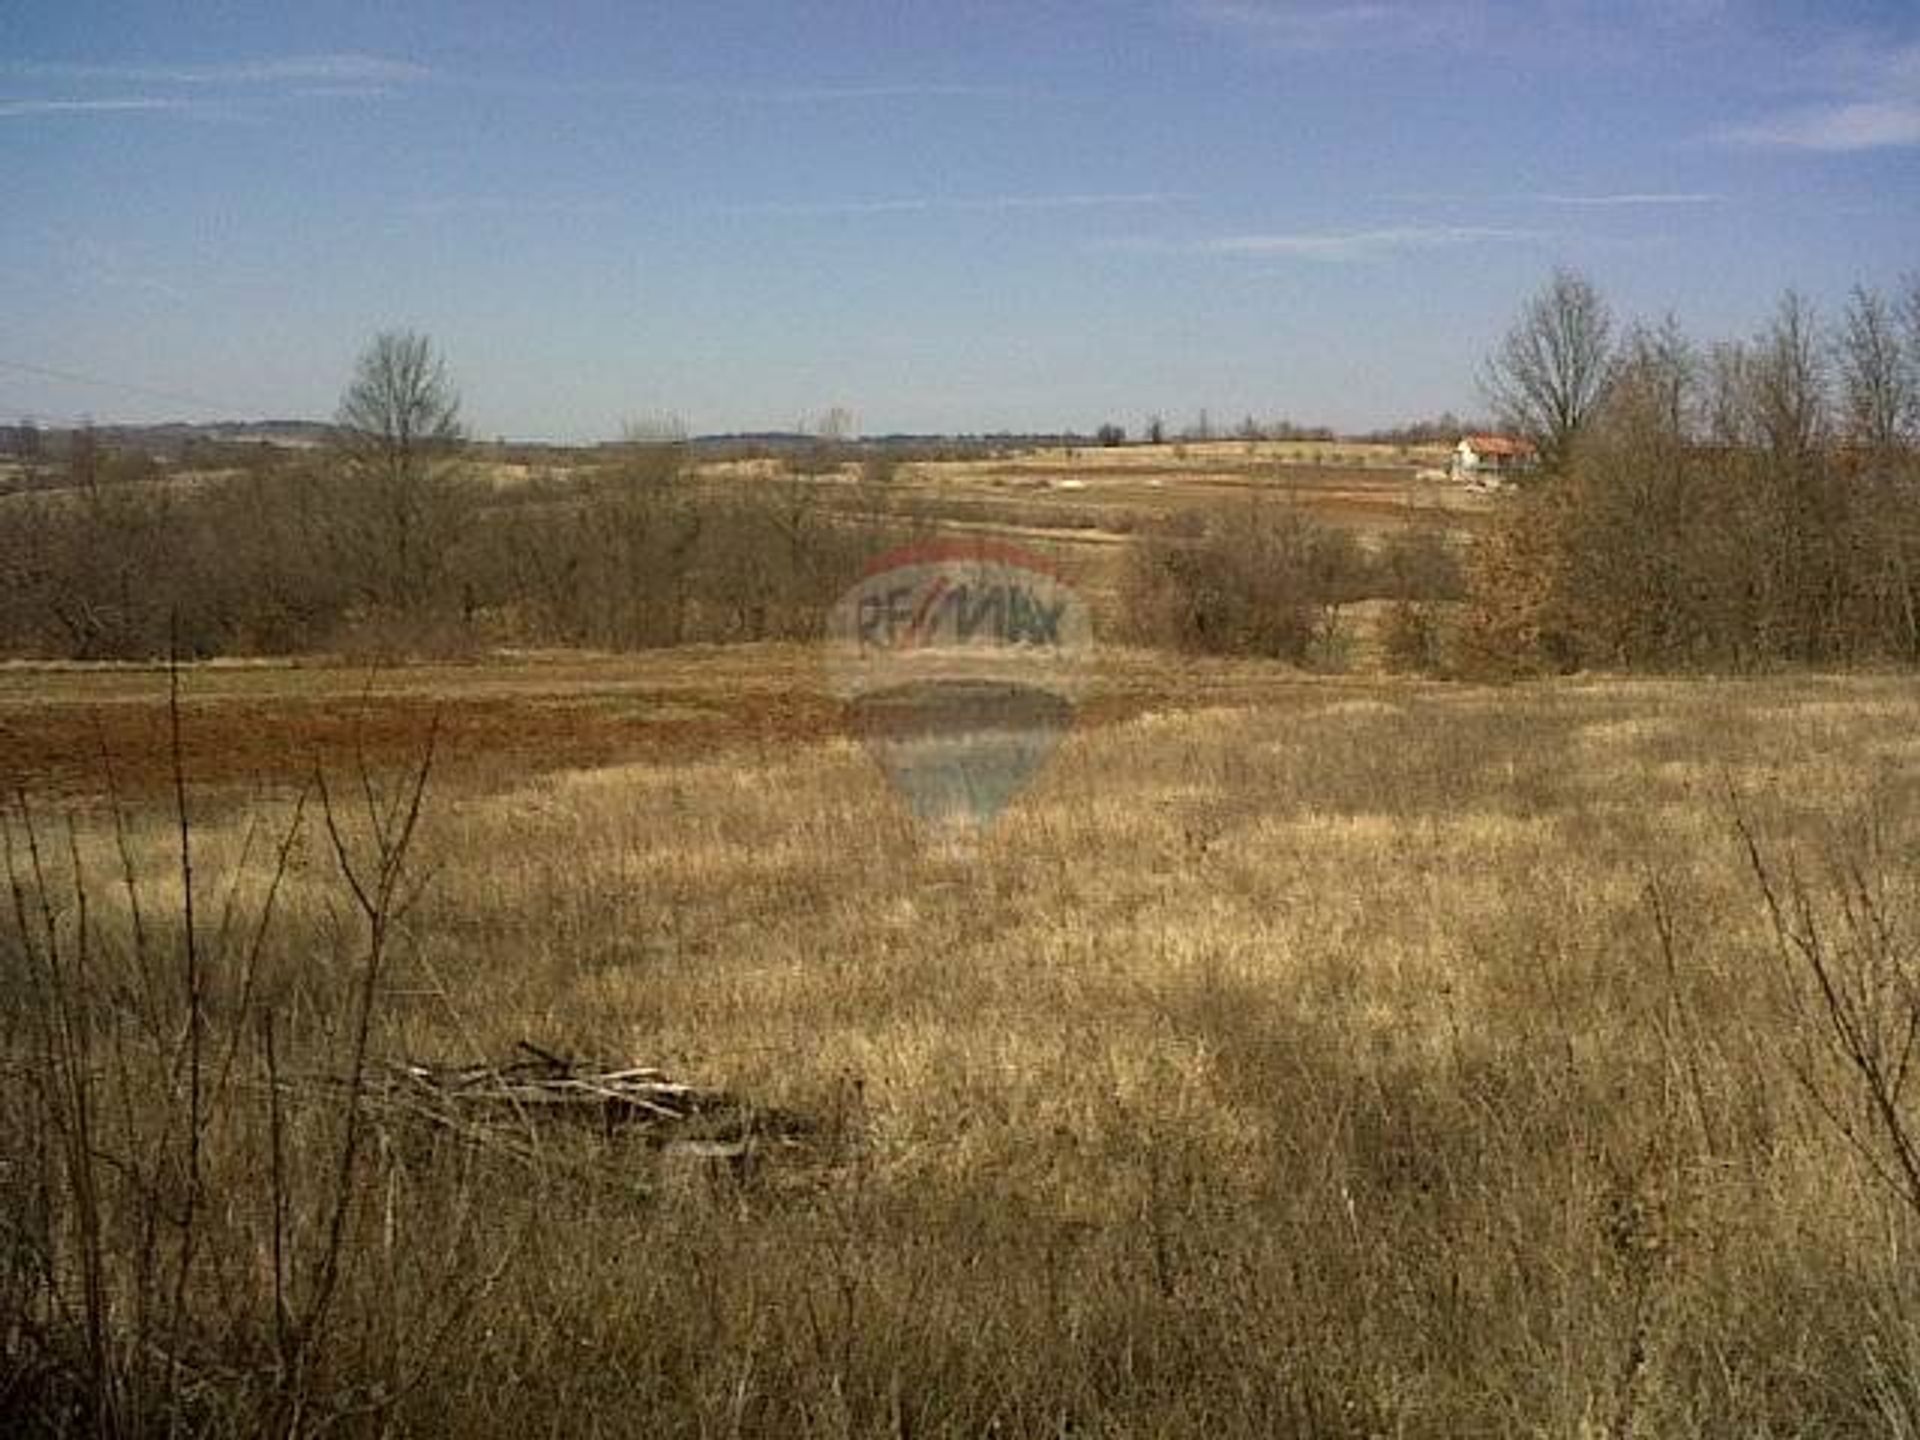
390	540
1722	506
1725	506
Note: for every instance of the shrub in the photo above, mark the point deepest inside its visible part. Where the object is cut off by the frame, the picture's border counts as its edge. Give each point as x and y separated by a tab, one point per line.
1410	637
1266	580
880	466
638	554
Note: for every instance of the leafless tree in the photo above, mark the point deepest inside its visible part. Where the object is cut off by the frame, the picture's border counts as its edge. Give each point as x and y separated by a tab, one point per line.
1551	371
654	452
83	458
1910	336
1789	380
827	449
1264	580
660	428
1876	377
838	425
26	449
401	408
1660	369
1728	403
1635	577
400	436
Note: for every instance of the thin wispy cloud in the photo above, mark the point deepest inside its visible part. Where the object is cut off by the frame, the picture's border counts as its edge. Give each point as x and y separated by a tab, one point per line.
848	92
828	94
1853	125
932	204
1873	103
1602	34
1312	27
481	205
342	69
1630	198
1350	245
18	109
1864	65
341	92
233	87
852	93
227	90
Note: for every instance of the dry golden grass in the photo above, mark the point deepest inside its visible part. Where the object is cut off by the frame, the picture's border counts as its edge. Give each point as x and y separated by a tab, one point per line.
1090	498
1092	494
1297	1057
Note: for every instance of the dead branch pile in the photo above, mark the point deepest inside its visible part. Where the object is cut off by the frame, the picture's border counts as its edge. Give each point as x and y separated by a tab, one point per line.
539	1087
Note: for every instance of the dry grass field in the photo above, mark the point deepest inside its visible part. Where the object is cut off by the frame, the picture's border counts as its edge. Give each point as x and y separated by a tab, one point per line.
1084	507
1355	484
1096	496
1300	1056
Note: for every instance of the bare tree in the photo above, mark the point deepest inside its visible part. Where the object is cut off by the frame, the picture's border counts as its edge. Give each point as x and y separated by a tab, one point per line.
1806	547
1789	379
1728	403
1659	369
1635	578
653	451
1551	371
838	425
401	410
400	435
26	449
1910	336
1876	378
826	449
83	458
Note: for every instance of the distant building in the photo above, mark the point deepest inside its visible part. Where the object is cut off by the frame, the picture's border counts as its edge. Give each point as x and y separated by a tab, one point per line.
1491	460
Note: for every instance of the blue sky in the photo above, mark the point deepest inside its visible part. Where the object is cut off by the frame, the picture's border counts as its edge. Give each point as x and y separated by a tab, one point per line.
942	216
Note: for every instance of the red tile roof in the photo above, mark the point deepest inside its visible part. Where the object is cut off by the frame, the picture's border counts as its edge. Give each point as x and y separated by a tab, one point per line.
1500	445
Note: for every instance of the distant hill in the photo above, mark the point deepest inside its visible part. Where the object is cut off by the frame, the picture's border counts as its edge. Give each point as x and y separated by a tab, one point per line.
168	441
171	438
172	441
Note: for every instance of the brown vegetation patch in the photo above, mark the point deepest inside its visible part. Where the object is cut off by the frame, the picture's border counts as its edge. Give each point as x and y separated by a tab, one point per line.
57	748
499	723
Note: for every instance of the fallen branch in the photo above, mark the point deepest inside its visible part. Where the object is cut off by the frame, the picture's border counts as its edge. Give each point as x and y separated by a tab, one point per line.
542	1086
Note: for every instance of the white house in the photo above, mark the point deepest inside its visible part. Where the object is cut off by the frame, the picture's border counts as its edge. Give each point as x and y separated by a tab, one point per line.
1489	461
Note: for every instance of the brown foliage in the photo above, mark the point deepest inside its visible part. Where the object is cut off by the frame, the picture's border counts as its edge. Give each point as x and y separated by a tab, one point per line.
1265	580
1709	517
320	557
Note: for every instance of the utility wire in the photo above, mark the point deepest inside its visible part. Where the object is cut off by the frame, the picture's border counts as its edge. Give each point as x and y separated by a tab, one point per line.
74	377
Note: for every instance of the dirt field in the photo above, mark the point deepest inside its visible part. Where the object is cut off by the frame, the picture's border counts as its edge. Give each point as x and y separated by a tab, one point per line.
501	722
266	723
1362	486
1097	496
1083	507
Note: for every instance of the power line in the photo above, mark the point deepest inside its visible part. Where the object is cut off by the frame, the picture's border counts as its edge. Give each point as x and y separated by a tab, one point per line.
74	377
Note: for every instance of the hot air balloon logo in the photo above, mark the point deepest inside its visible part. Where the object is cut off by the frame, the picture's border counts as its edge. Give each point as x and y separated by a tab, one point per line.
962	664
